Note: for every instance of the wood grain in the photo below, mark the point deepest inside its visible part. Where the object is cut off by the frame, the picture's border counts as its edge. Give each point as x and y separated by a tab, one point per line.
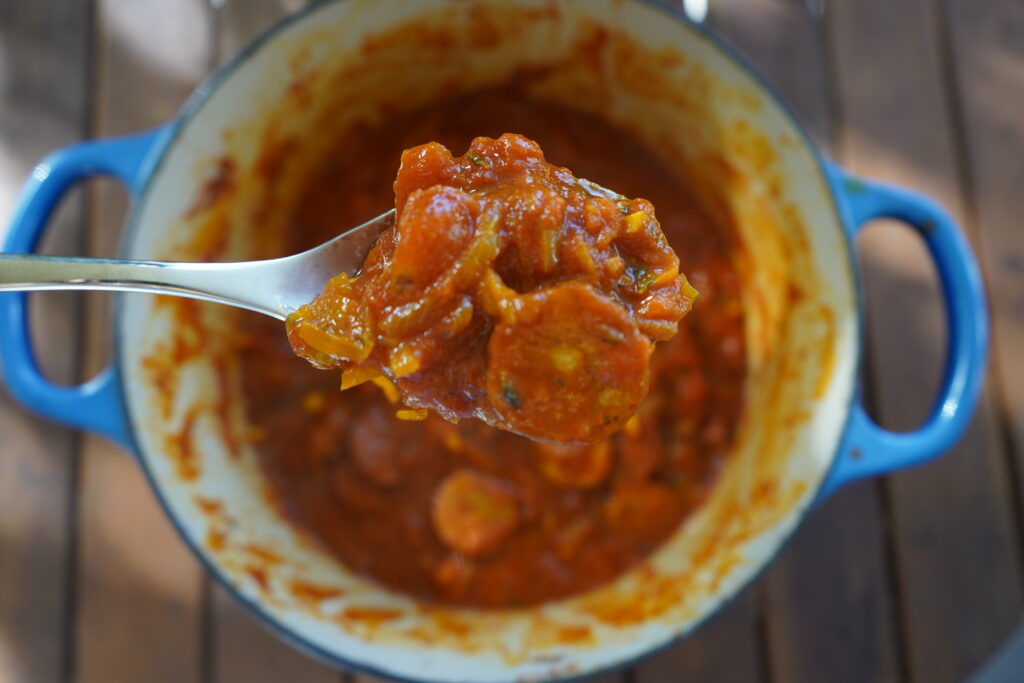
986	61
952	522
724	649
785	43
243	650
139	588
616	677
41	44
240	21
829	611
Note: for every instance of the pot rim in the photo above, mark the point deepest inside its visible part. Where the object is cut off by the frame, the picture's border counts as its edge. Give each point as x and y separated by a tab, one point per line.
155	161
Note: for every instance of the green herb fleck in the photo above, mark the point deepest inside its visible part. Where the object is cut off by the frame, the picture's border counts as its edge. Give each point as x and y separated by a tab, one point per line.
479	160
510	395
645	280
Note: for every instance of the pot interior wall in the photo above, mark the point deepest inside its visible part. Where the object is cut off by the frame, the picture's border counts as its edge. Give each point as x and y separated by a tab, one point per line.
236	169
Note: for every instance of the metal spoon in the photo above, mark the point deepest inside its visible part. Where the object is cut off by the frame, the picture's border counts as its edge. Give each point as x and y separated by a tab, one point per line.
275	287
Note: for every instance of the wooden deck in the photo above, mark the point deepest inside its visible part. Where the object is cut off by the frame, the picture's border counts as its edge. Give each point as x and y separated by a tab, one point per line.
915	577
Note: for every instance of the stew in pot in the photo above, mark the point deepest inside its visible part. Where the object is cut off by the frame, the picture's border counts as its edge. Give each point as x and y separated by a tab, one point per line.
465	513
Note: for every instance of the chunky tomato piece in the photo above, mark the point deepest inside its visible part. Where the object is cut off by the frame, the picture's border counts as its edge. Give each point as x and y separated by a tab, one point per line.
473	512
510	291
570	364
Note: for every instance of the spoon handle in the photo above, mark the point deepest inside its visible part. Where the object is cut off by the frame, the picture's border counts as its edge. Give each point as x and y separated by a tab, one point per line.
274	287
236	284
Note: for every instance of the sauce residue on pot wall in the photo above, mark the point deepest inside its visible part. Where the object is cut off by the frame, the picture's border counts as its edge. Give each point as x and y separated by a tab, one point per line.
668	588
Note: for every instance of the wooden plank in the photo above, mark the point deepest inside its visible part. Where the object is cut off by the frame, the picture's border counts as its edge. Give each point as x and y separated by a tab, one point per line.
952	523
784	42
987	60
139	588
724	649
242	650
830	611
827	598
617	677
240	21
41	43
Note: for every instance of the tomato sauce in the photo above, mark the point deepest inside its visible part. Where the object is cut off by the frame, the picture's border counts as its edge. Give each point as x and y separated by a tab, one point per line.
508	290
465	513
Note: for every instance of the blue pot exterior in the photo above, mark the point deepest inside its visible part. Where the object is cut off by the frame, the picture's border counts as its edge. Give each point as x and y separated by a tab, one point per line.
867	449
98	404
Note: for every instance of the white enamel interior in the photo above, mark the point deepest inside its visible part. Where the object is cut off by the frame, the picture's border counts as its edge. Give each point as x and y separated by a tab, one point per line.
789	435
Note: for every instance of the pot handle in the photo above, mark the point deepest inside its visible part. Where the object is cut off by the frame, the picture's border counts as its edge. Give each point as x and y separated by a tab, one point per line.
97	404
868	449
